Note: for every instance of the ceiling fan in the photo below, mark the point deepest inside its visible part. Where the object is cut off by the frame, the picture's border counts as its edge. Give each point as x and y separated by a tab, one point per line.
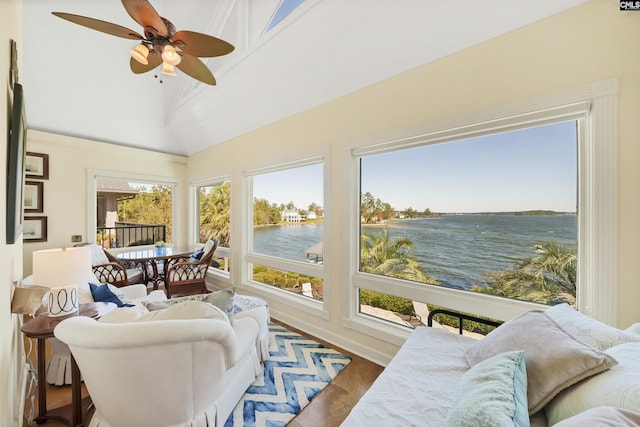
161	44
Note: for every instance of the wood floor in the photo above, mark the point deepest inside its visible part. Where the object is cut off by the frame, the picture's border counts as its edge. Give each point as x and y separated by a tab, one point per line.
328	409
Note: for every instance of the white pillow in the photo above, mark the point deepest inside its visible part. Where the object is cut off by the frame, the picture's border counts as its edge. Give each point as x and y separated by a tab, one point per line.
183	310
98	256
590	331
555	360
634	329
619	386
124	315
84	293
603	416
207	246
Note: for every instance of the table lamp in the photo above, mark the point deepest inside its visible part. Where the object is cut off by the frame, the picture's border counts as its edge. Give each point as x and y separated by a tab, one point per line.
62	270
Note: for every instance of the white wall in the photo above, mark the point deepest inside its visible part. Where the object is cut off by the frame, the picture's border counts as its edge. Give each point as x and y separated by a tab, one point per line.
590	43
65	192
12	359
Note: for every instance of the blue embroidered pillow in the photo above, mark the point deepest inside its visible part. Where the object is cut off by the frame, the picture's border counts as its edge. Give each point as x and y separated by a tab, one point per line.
102	293
197	255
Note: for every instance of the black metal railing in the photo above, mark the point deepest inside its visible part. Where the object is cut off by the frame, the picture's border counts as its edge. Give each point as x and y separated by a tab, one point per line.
128	234
461	318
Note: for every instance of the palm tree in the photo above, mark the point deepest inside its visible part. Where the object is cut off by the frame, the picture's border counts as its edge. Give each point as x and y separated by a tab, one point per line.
215	215
380	255
548	278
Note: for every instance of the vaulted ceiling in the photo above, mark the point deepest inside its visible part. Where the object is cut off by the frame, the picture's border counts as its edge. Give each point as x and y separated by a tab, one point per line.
77	81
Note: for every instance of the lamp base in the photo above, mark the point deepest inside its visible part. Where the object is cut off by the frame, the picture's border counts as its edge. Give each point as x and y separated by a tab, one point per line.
63	301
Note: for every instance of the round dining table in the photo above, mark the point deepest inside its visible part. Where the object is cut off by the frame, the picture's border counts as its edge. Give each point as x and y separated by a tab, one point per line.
153	260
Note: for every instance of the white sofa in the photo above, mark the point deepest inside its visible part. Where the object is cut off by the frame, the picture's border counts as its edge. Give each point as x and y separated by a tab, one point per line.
59	363
572	371
186	365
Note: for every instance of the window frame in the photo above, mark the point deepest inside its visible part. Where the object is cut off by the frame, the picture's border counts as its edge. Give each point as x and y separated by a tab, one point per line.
594	107
92	206
194	224
311	306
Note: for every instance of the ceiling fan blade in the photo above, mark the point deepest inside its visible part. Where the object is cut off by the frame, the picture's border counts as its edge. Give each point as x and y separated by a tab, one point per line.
197	69
154	60
96	24
201	45
144	14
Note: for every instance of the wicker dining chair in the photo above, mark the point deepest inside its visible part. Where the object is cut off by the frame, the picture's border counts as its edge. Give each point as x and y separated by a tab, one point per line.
188	277
113	271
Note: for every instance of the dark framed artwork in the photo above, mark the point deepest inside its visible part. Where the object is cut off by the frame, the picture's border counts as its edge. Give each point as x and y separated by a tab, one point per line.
35	229
36	166
33	197
15	165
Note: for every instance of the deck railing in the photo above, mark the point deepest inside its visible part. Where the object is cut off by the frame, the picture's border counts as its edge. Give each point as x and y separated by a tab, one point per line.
126	234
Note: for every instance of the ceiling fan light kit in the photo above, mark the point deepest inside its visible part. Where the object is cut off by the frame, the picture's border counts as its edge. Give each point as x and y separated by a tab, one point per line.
140	54
159	43
170	56
168	69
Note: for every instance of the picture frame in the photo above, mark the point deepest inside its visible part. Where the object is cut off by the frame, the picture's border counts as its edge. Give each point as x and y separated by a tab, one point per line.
34	229
33	197
16	147
36	165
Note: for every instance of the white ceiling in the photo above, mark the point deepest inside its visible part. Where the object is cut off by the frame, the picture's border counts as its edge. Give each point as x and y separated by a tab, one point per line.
77	81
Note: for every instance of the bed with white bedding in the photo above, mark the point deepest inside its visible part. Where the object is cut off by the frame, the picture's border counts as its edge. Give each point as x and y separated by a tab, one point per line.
564	369
415	389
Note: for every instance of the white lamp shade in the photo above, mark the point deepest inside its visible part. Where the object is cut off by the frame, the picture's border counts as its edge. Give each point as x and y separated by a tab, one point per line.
170	56
140	54
168	69
62	270
61	266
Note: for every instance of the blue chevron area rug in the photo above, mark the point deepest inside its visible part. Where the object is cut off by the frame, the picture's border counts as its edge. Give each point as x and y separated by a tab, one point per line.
297	369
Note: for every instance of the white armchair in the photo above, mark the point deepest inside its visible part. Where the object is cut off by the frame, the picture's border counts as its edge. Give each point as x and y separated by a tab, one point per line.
59	363
163	368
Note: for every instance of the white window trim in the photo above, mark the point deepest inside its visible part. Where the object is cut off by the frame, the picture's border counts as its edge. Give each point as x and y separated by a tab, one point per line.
193	231
310	306
92	208
597	167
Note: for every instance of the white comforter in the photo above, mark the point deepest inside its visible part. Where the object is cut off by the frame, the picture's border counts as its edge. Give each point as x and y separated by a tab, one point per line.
416	387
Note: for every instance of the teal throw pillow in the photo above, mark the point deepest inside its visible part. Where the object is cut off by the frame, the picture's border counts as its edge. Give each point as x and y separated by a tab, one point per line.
223	299
493	394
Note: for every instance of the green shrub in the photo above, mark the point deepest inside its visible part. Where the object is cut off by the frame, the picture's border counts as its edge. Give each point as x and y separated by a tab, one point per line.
259	269
386	302
269	279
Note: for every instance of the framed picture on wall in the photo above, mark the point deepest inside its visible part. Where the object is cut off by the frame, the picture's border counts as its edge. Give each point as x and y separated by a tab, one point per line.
34	229
33	197
15	165
37	166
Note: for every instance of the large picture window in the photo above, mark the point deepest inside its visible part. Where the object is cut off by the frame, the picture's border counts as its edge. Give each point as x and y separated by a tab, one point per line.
495	214
288	229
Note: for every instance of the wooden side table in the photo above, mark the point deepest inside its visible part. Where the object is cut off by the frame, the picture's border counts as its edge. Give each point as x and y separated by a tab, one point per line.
41	328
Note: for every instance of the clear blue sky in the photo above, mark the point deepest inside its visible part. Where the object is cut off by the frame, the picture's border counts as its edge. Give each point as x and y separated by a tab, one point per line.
302	186
535	168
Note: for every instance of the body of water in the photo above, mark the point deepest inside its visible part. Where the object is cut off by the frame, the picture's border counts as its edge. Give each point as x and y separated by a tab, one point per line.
455	249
